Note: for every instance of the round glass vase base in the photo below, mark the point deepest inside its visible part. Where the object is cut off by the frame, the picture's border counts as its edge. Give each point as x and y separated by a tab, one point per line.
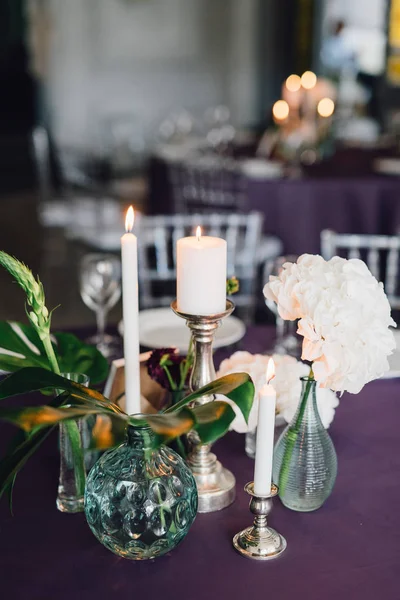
259	544
66	504
301	508
216	490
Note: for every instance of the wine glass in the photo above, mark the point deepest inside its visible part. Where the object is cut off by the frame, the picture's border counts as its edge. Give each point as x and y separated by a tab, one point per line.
100	287
287	342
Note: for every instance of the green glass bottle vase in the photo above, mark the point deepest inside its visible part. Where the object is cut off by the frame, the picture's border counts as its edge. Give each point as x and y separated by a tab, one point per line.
140	502
305	462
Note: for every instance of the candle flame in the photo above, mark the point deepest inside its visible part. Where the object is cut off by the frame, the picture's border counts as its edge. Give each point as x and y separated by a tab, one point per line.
198	233
270	370
129	219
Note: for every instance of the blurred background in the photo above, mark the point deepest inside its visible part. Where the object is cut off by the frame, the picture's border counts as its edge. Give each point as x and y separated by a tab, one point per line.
274	121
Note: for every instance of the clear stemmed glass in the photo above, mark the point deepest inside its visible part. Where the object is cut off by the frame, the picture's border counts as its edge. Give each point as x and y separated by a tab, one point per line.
100	287
287	342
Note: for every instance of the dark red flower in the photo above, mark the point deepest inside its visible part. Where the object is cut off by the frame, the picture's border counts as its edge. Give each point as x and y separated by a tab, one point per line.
164	366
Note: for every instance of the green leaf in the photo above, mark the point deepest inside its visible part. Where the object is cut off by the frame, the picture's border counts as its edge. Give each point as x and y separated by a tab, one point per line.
28	418
74	437
213	420
172	425
236	386
13	463
34	379
23	340
72	354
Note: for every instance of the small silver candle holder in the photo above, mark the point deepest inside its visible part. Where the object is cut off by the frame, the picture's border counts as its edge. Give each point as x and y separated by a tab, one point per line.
216	485
260	542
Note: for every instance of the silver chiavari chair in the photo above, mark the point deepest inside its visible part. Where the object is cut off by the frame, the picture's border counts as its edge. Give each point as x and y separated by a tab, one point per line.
208	183
248	249
380	252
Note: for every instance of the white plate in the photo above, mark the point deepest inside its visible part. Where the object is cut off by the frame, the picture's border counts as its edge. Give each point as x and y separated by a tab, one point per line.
161	328
388	166
256	168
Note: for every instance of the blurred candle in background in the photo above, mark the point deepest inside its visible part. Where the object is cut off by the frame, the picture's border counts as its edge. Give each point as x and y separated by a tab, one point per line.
280	111
201	274
130	305
265	435
292	92
308	80
325	107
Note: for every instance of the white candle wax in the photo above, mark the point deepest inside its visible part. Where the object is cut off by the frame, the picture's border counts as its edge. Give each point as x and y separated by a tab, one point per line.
130	307
201	275
265	441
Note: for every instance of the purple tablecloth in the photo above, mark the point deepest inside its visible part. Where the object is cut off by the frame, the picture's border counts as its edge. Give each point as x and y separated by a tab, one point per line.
350	548
298	210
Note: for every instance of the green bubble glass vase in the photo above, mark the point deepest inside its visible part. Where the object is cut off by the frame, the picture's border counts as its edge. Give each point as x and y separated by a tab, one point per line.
140	502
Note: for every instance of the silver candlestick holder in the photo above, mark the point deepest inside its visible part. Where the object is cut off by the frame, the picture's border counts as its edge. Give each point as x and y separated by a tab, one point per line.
260	542
216	485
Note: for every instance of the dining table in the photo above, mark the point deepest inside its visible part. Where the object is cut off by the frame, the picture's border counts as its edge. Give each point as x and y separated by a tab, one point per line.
349	548
335	196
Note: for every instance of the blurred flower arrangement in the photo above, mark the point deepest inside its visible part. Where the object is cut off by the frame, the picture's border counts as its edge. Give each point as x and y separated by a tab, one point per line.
286	382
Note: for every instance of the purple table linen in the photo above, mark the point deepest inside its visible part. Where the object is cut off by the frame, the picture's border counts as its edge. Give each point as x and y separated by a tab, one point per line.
350	548
296	211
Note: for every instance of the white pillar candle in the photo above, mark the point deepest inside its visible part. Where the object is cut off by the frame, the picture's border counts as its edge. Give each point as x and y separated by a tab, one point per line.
130	305
201	274
265	435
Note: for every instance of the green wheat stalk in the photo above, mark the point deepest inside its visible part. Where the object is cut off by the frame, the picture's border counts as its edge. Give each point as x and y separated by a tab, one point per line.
40	318
36	309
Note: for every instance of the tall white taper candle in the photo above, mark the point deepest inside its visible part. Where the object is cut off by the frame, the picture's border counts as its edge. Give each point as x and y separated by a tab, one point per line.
130	305
265	435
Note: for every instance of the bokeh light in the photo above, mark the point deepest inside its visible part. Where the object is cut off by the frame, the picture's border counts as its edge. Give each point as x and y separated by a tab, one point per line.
280	110
308	80
325	107
293	83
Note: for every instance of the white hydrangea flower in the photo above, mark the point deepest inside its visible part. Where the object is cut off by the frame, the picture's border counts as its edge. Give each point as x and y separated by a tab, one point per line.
344	317
286	382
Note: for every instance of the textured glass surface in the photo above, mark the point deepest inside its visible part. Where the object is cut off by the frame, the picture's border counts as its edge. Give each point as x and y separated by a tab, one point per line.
305	462
140	502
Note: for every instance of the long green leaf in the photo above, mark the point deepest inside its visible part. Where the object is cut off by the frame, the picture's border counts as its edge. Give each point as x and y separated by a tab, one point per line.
213	420
172	425
27	418
236	386
33	379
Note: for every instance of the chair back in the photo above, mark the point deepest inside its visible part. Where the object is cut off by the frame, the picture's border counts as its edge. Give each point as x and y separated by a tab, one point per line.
157	237
381	253
209	183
